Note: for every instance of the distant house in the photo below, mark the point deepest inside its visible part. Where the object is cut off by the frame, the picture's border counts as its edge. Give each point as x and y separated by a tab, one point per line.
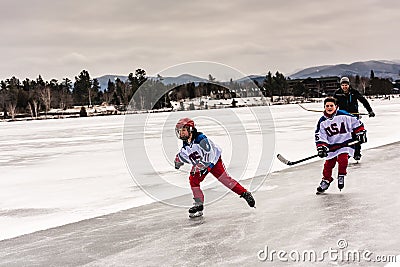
396	87
318	87
329	84
220	93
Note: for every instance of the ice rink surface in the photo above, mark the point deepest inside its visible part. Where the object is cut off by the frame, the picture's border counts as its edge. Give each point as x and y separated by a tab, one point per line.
289	217
67	199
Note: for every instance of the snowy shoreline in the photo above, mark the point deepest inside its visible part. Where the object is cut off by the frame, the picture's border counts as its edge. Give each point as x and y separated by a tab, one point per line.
202	103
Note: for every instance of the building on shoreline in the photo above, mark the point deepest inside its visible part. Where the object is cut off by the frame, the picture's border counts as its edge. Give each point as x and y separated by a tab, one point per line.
318	87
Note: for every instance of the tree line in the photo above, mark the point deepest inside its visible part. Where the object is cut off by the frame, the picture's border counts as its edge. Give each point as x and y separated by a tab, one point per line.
278	85
38	96
34	97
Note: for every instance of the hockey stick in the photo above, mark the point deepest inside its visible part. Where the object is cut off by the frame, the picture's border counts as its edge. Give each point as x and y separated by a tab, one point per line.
290	163
314	110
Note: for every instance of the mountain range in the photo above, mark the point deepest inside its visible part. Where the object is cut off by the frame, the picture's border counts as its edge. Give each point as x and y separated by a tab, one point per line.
381	68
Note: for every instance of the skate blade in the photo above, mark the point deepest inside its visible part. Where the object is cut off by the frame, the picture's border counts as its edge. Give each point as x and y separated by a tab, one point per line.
319	193
196	214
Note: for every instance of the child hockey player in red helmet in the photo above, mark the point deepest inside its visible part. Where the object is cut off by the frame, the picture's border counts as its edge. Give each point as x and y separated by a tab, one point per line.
334	131
205	157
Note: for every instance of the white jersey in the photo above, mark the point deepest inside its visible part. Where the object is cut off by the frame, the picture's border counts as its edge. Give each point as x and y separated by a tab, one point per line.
336	131
201	152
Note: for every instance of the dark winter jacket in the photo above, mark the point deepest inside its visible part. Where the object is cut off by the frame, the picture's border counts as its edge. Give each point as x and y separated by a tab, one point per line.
348	102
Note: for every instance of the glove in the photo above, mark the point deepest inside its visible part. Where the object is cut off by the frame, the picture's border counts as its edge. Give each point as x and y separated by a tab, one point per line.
371	114
178	162
322	151
361	137
205	171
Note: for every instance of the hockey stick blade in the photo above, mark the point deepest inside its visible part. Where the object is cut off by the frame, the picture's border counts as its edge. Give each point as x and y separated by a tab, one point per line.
283	160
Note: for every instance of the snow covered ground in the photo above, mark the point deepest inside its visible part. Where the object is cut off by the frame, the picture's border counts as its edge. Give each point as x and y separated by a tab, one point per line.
54	172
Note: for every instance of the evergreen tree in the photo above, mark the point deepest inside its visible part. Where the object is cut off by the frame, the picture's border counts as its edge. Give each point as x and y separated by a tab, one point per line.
65	94
380	86
141	76
280	84
82	87
108	95
96	93
357	82
268	85
120	91
191	87
300	90
135	82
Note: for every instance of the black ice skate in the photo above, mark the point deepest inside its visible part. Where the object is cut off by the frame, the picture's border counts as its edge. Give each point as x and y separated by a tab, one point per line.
249	198
340	182
323	186
197	209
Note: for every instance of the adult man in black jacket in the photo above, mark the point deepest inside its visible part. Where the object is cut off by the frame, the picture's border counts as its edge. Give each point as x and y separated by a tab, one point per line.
347	99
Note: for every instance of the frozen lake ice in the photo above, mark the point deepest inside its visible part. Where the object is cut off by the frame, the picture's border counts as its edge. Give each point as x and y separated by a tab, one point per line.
55	172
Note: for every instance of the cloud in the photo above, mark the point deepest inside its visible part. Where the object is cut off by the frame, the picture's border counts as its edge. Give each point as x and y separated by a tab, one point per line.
73	58
252	36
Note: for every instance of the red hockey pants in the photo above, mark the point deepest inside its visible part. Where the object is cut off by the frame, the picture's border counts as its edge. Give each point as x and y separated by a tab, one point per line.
343	161
220	173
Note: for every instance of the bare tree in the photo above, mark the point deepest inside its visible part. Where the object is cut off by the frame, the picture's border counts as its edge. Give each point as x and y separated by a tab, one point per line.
33	108
11	96
127	93
45	96
3	98
107	97
364	82
11	108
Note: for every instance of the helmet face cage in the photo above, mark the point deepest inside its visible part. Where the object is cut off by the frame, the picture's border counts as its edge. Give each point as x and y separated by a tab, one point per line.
178	130
184	123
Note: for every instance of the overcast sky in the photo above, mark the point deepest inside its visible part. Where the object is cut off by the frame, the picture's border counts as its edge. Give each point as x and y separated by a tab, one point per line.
58	39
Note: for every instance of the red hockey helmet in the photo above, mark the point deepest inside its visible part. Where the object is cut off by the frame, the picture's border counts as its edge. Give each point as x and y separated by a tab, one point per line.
184	123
